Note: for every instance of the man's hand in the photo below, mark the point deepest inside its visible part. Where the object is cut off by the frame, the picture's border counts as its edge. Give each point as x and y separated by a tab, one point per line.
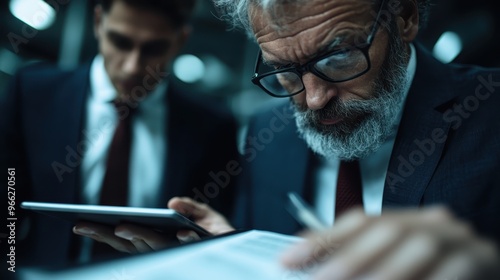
133	239
125	237
202	215
426	244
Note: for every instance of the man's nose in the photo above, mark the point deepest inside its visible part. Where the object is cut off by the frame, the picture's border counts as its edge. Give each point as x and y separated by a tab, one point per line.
318	92
132	63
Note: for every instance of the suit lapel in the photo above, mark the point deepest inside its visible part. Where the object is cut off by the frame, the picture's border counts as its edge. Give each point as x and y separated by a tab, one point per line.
279	170
60	140
81	82
57	128
179	145
74	105
421	136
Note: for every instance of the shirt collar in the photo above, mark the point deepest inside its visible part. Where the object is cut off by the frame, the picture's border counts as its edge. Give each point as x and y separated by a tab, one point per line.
100	83
411	69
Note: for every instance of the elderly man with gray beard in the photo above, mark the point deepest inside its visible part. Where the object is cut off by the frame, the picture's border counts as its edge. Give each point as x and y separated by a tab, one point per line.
397	152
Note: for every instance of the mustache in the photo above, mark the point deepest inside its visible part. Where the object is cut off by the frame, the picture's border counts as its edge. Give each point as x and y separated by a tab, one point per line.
336	108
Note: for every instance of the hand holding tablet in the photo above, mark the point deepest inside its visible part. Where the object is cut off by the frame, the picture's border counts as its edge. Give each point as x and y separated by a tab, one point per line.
163	220
132	230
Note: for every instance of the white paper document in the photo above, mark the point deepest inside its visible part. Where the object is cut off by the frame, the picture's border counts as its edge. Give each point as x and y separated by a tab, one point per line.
248	255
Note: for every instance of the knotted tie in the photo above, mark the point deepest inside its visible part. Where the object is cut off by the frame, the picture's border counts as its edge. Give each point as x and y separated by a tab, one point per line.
115	185
349	192
114	190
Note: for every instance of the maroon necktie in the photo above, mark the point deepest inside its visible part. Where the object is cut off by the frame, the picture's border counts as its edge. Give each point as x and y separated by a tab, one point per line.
116	179
349	192
114	190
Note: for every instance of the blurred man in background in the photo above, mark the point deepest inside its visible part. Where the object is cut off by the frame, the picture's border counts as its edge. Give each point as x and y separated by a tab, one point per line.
112	132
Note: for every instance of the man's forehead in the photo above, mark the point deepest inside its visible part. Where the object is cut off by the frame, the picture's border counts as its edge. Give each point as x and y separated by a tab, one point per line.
306	30
290	20
134	18
136	29
287	12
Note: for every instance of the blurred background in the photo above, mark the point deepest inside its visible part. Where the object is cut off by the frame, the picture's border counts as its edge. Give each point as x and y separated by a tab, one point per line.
215	61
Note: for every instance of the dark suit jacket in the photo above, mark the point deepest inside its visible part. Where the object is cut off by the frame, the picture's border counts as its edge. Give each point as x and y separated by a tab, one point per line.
41	115
447	152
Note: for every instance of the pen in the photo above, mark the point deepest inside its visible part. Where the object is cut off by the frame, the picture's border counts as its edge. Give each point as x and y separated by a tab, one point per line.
303	213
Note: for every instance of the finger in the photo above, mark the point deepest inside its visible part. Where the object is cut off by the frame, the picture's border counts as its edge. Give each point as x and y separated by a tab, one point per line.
363	252
413	258
417	218
154	240
141	245
186	236
475	260
201	214
351	224
104	234
188	207
215	224
318	246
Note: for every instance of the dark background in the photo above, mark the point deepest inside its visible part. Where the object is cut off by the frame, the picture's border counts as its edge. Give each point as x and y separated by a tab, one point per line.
228	56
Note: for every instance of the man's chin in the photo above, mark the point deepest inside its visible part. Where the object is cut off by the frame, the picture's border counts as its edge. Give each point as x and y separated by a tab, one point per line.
332	147
344	140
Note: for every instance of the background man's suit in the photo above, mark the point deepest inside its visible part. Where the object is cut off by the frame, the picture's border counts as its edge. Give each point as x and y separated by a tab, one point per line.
42	113
450	117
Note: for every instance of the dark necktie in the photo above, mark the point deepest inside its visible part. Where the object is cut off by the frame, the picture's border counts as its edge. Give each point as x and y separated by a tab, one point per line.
114	190
116	179
349	192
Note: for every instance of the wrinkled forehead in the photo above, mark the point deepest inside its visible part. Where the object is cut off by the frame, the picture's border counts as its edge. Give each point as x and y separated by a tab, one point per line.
296	32
288	16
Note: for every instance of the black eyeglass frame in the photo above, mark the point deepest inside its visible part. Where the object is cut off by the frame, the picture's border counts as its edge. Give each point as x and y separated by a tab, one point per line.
309	66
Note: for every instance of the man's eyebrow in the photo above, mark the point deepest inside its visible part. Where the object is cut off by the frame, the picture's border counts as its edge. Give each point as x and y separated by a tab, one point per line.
152	43
337	41
275	63
158	42
117	35
333	44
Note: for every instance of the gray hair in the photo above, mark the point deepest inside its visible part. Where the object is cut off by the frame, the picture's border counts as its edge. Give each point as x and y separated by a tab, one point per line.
236	12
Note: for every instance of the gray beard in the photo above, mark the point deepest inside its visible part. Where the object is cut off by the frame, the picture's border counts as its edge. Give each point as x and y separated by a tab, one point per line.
366	123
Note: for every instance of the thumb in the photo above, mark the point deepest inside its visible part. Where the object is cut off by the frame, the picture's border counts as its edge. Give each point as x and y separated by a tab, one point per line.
189	207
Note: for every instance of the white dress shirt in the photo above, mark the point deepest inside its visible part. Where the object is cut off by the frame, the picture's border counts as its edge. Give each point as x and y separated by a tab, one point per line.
373	170
148	151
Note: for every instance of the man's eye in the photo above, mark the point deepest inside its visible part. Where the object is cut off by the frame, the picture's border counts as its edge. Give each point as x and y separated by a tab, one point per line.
155	49
341	54
120	42
338	60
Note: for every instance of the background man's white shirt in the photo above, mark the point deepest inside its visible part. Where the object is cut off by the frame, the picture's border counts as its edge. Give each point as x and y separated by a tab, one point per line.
148	151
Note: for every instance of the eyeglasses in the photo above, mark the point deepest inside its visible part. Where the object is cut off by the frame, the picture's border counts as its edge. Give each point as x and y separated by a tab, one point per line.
339	65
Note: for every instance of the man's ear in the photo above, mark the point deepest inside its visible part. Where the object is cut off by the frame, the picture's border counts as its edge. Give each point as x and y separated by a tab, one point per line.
98	15
408	21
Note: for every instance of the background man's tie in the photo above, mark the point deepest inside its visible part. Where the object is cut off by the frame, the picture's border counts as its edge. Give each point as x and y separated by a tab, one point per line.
115	185
114	190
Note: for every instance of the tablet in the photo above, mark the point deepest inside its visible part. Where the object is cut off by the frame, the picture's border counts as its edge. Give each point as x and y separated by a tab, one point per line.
164	220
